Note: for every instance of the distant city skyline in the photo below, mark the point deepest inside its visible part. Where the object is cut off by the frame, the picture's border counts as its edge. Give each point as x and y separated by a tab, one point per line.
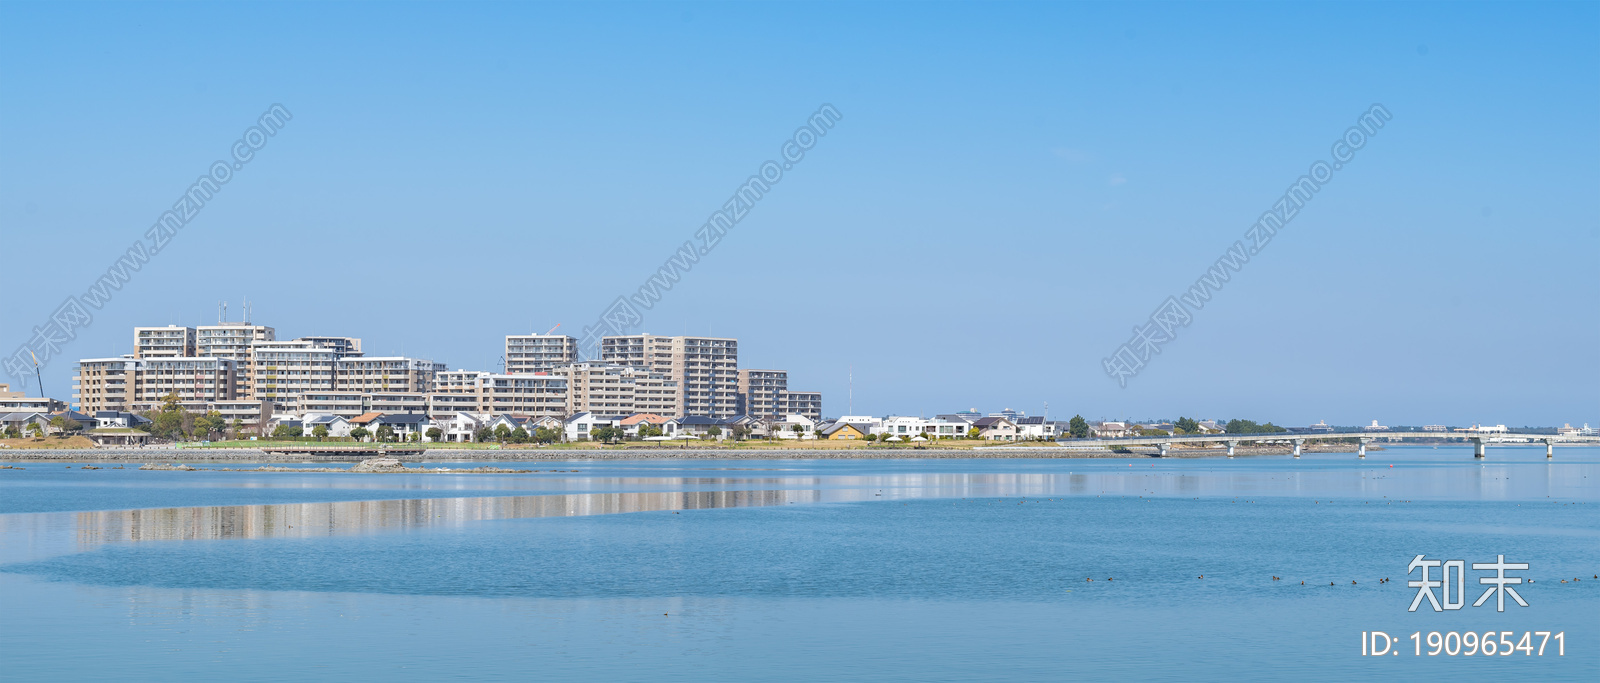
1010	189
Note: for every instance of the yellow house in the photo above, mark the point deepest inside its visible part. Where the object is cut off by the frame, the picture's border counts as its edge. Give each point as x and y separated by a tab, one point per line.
843	430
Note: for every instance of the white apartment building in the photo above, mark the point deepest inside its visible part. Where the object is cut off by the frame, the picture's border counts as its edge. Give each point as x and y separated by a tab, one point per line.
345	404
233	341
530	353
345	346
286	369
201	380
706	369
384	374
464	391
171	341
613	389
20	402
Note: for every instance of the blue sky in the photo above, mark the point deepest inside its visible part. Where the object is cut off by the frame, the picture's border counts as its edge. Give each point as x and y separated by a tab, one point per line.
1011	189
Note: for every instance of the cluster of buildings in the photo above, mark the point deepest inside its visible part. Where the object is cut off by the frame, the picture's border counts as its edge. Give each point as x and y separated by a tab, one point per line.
245	373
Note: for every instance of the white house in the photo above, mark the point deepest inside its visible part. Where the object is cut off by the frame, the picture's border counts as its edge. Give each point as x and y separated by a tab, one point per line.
337	425
866	423
784	429
904	427
1036	427
579	425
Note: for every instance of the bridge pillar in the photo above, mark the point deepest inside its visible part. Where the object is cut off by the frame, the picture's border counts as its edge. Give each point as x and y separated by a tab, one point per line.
1549	448
1164	448
1298	444
1477	447
1231	444
1361	447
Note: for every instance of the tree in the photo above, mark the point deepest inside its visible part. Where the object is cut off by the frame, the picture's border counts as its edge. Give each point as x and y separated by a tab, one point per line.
519	435
12	432
238	427
974	433
434	433
288	430
320	431
714	431
34	429
212	421
740	432
65	425
414	437
1186	425
482	434
501	432
360	433
545	434
1078	427
1250	427
385	433
798	430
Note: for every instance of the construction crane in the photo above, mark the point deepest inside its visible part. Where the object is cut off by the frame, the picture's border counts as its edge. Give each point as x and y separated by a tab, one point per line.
553	328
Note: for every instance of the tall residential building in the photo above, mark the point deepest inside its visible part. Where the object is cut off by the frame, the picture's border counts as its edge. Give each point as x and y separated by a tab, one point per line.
106	383
613	389
758	392
285	369
705	368
233	341
530	353
200	380
171	341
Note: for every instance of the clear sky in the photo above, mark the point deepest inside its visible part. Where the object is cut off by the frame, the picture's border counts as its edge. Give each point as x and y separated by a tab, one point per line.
1011	189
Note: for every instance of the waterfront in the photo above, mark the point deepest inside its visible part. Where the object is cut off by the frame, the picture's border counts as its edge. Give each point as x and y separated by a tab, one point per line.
906	569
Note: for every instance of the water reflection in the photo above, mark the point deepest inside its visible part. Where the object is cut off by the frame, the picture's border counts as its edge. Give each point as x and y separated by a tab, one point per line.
26	536
309	520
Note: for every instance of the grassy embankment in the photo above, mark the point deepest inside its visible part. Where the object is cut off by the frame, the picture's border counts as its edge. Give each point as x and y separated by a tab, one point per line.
47	442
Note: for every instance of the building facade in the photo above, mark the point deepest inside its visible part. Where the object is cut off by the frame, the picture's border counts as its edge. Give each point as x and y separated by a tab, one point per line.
234	341
530	353
758	393
706	369
172	341
613	389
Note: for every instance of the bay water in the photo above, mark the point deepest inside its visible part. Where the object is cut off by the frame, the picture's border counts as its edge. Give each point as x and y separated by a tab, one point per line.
1259	568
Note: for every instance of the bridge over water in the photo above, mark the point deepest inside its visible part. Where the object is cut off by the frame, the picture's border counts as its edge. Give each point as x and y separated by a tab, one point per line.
1298	439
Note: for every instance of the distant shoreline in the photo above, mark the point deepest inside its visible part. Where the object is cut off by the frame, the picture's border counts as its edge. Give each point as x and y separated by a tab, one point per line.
530	454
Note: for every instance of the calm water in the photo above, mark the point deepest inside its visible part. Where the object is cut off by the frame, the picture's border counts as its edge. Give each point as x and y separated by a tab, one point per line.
781	570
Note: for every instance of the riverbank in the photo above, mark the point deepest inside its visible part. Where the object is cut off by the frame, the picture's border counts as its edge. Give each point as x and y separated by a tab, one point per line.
241	455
